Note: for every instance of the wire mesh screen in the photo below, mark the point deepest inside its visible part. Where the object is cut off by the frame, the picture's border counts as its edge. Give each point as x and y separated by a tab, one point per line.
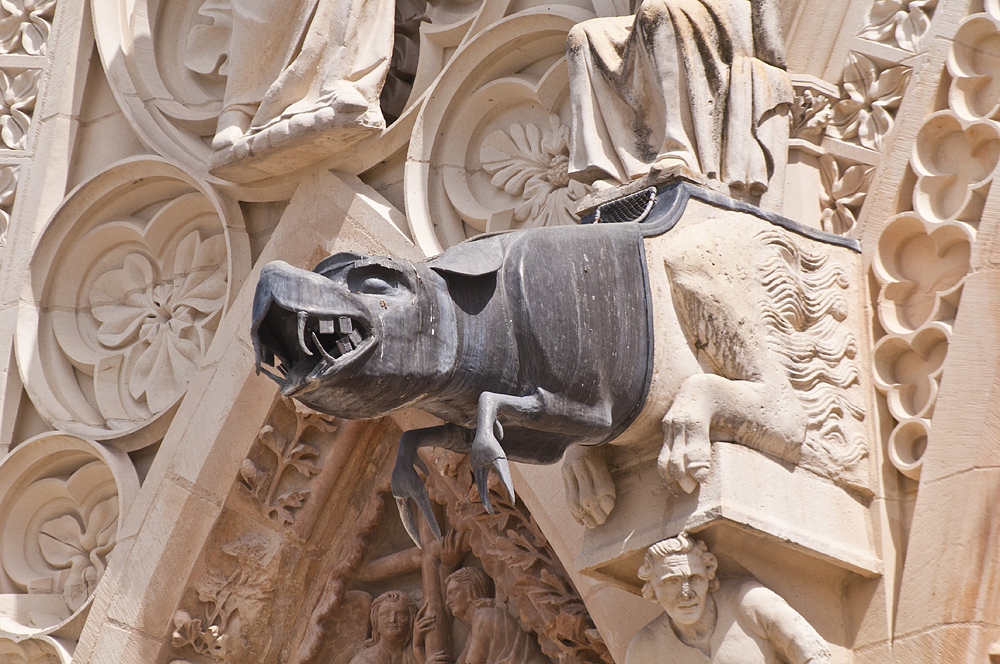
633	207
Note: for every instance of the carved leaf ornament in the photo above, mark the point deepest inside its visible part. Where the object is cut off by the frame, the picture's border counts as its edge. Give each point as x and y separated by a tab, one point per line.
161	322
25	25
872	98
901	23
17	103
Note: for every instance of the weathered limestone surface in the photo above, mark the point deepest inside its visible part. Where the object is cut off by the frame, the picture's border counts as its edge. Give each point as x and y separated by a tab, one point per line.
161	502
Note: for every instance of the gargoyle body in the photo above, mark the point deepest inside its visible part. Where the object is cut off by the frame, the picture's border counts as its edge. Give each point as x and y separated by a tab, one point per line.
529	342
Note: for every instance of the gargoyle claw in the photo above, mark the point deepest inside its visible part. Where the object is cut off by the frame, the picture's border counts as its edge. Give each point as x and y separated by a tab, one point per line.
406	485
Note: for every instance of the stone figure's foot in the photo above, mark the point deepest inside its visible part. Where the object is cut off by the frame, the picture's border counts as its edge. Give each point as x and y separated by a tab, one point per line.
486	453
686	455
347	100
232	125
674	161
590	491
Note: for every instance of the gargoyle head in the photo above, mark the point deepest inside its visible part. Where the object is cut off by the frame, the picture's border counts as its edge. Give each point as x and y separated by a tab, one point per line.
358	337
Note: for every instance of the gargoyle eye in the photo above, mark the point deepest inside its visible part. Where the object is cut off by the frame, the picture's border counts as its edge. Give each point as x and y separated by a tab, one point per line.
376	286
372	279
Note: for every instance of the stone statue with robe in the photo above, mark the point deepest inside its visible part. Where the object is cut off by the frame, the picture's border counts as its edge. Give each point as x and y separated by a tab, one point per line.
694	83
296	67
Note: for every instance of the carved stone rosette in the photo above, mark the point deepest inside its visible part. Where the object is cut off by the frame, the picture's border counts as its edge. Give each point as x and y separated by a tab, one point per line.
62	499
128	283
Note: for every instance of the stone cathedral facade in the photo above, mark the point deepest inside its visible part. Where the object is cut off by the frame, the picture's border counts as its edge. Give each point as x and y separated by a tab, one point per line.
807	468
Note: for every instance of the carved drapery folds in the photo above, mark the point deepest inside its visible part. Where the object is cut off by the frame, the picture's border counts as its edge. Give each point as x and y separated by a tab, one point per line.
61	502
126	299
923	253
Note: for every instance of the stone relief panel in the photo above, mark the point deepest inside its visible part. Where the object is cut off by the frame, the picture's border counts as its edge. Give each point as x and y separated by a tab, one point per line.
277	481
490	587
129	282
923	252
61	502
236	589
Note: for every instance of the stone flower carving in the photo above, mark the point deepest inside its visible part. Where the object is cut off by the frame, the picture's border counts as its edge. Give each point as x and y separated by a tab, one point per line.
872	97
811	113
844	192
532	163
901	23
8	190
161	320
25	25
16	106
80	549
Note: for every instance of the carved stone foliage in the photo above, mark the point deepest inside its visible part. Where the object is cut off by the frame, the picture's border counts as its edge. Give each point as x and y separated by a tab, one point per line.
25	26
871	96
18	90
277	480
8	192
61	501
904	24
234	590
923	253
508	166
129	282
844	190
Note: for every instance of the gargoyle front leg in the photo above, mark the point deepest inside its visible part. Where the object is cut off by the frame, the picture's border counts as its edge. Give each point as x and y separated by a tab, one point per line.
405	482
542	410
762	415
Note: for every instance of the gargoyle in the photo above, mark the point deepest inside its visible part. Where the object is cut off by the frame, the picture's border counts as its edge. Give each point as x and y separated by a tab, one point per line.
529	342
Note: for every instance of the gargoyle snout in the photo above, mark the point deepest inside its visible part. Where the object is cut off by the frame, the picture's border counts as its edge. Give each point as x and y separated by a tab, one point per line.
303	319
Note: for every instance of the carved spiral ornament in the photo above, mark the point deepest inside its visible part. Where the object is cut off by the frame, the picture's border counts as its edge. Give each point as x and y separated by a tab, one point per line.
128	284
62	499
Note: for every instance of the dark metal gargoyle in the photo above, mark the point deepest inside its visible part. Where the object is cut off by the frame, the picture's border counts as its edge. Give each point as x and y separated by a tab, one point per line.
529	342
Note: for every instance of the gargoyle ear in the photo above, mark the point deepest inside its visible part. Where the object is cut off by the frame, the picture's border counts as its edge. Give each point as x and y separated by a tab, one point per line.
331	263
472	258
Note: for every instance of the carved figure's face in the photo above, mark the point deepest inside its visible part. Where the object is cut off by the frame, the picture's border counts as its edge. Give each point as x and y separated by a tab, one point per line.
394	622
681	585
458	598
357	337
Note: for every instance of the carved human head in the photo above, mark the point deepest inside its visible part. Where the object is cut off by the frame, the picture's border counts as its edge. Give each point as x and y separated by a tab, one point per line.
679	573
467	587
392	616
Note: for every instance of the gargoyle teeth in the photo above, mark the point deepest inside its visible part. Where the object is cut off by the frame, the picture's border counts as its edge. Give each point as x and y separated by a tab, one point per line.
322	351
302	332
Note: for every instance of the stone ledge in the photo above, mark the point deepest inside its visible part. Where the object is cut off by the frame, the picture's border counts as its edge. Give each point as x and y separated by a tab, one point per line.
771	500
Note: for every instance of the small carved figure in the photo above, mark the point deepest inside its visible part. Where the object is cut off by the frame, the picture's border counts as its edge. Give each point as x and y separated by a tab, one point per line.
494	637
698	83
392	619
722	621
322	65
514	337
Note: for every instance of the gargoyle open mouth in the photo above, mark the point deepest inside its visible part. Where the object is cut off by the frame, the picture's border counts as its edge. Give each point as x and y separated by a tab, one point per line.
302	345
